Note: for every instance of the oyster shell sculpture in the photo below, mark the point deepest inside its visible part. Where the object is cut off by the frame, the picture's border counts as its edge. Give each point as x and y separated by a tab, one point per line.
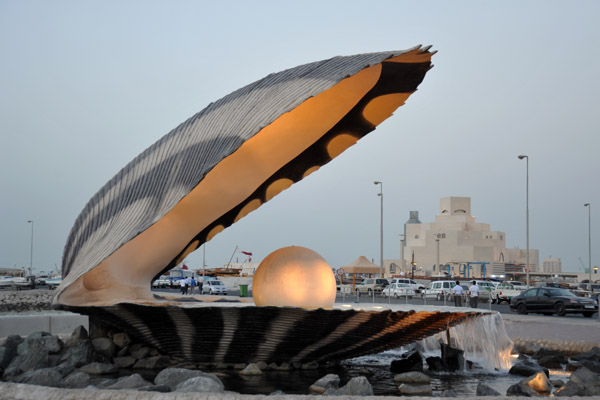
211	171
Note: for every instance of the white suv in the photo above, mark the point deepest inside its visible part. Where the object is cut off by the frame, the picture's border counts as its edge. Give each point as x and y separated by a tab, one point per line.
439	289
417	287
214	286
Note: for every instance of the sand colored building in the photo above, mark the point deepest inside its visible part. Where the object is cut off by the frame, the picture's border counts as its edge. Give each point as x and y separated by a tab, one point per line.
456	243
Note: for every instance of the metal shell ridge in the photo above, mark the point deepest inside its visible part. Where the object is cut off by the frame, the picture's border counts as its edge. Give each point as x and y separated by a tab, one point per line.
224	162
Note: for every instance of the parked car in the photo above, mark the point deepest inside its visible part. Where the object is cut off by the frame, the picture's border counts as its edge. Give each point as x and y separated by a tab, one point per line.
550	301
504	292
371	285
398	290
214	286
162	282
417	287
438	289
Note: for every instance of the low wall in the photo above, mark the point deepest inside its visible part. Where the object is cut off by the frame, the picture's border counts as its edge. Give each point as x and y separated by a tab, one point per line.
25	300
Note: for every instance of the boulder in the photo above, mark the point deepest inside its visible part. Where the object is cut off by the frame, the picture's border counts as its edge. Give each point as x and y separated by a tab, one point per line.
262	365
485	390
97	368
79	333
171	377
449	393
130	382
540	383
65	368
121	339
8	351
104	347
546	352
521	389
203	383
33	353
406	389
124	362
78	355
592	355
589	380
409	361
526	368
250	370
77	380
435	364
452	358
157	362
310	365
557	383
551	362
329	381
357	386
139	351
42	377
154	388
570	389
593	366
413	377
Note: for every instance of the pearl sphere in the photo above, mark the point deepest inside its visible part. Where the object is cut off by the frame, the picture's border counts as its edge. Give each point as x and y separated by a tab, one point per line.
294	277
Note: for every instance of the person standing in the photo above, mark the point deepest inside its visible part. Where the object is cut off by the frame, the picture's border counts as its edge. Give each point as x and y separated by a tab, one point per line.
474	294
182	285
457	291
192	285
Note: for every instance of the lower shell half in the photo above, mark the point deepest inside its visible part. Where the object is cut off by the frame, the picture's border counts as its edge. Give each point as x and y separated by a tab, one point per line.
244	334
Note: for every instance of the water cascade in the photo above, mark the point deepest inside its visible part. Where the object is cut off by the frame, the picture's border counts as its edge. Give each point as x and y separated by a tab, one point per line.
484	341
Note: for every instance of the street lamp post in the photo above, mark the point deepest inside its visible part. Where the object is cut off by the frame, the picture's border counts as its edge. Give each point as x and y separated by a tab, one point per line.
380	194
589	206
31	249
402	263
527	212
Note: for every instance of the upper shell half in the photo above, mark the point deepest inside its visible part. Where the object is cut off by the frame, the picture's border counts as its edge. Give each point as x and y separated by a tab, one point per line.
223	163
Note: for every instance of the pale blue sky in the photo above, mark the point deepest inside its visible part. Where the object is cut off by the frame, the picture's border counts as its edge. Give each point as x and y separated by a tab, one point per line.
85	86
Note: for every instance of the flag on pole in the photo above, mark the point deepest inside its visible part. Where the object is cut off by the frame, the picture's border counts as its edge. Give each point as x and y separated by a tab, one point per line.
247	253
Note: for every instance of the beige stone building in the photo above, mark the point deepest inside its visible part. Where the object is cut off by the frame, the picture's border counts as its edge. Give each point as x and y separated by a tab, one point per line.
457	244
552	265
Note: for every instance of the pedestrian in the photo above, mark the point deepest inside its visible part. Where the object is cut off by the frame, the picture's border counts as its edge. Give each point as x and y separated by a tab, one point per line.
474	294
457	291
187	284
192	285
182	285
200	283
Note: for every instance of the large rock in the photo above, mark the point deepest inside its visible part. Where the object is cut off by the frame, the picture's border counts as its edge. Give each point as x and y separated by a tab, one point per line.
121	339
250	370
9	351
540	383
592	355
42	377
550	358
409	361
588	379
79	333
77	380
329	381
202	383
104	347
435	364
413	377
570	389
79	354
521	389
357	386
33	353
130	382
406	389
526	368
124	362
452	358
97	368
485	390
172	377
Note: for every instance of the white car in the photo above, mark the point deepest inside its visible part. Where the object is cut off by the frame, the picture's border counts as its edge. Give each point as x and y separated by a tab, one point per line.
214	287
505	292
417	287
398	290
439	289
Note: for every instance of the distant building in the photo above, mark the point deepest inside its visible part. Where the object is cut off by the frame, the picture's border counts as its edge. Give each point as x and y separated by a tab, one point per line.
552	265
457	245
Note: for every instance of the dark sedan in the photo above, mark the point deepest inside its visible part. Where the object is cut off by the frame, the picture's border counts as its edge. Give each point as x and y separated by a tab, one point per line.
550	301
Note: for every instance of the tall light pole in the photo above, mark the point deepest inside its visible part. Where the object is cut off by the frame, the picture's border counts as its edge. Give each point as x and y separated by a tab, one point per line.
589	206
31	249
402	252
380	194
527	212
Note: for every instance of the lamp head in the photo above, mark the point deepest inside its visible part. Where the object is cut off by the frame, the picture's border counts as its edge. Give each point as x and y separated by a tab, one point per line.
522	156
29	222
377	182
586	204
